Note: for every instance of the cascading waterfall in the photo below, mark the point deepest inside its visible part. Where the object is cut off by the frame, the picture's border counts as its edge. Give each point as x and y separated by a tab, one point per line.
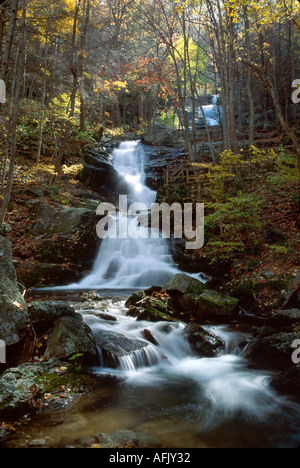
165	392
212	112
126	263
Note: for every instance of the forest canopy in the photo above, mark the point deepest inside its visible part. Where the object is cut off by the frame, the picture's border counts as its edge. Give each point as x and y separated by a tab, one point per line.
76	67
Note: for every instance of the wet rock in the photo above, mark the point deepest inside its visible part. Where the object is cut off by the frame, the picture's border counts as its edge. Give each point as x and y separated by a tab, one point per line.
288	381
115	345
69	337
100	174
284	318
149	337
151	314
202	342
213	305
273	351
188	302
44	313
39	273
135	298
119	439
13	308
184	284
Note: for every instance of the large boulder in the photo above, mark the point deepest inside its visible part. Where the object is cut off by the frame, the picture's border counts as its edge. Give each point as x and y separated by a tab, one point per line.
36	274
273	351
288	381
115	345
70	337
101	176
160	135
184	284
65	245
13	308
43	314
151	314
214	305
22	388
284	318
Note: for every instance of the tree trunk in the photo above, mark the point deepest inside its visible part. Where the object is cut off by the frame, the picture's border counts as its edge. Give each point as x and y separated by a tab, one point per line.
13	141
270	87
9	40
233	135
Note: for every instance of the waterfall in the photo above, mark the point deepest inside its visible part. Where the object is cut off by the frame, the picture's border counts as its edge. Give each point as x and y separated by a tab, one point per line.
212	112
126	263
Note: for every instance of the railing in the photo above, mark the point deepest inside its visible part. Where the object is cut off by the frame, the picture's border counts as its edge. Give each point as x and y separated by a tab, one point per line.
183	174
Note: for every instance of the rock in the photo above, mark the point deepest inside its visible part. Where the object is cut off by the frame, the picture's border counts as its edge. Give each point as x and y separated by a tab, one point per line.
202	342
135	298
273	351
293	295
150	314
288	381
160	135
69	337
15	388
264	331
149	337
13	308
211	304
284	318
188	302
22	387
119	439
101	176
43	314
63	235
56	221
184	284
37	274
115	345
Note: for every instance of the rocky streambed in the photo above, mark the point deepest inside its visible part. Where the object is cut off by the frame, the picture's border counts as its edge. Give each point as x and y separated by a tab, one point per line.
173	366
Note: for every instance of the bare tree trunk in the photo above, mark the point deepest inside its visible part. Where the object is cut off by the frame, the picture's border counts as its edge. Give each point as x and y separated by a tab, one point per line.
13	142
9	40
231	85
270	87
249	80
73	68
43	102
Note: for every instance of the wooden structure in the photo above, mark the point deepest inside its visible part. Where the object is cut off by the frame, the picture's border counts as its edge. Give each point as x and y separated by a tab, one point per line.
187	174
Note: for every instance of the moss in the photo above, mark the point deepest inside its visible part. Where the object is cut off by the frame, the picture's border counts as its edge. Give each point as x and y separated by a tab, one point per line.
153	315
72	379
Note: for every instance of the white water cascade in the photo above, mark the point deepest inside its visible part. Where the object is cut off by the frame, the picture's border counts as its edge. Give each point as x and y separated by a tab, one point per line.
184	400
127	263
212	112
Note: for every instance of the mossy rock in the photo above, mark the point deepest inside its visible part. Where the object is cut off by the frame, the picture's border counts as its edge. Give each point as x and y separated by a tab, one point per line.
184	284
153	315
215	305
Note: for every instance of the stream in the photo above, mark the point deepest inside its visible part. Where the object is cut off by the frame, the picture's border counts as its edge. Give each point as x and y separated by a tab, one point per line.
166	394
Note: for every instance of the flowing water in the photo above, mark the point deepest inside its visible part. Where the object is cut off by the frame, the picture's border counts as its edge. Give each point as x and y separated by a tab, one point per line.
126	262
212	112
165	393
